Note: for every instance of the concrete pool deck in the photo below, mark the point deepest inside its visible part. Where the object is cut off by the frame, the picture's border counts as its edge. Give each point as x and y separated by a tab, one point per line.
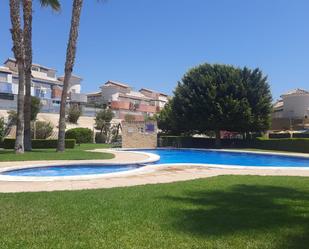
151	174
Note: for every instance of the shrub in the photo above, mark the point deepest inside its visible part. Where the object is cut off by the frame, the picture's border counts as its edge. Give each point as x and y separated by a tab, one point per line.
100	138
81	135
35	107
9	143
279	135
300	135
74	112
12	118
42	130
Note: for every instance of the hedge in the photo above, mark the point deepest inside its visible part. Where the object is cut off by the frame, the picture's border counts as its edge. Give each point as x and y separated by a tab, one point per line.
291	145
81	135
9	143
300	135
279	135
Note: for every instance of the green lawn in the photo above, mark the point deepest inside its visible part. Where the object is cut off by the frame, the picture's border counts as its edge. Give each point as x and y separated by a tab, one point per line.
221	212
78	153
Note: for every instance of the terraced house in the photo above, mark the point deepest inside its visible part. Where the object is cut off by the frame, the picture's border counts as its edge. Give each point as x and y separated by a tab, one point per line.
123	100
45	85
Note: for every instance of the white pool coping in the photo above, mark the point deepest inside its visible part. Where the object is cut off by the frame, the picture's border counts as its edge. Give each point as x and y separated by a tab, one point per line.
143	169
151	158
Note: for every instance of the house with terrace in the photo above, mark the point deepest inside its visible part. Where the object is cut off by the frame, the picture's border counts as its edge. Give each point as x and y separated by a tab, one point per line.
45	85
123	100
291	111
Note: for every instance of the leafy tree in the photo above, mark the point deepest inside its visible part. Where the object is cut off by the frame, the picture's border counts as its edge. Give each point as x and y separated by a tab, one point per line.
35	107
74	112
259	98
165	119
103	119
218	97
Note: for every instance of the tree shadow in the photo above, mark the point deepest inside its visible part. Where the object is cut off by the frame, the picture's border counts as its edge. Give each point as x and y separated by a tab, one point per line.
245	209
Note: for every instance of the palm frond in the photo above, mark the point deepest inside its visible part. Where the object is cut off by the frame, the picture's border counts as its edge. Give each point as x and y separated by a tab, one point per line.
54	4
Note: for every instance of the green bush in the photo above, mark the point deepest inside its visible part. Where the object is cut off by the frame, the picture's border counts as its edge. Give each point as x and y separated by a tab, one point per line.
81	135
42	129
74	112
36	106
100	138
9	143
291	145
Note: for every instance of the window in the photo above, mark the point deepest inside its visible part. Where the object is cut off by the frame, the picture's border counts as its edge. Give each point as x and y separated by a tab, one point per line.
35	69
5	87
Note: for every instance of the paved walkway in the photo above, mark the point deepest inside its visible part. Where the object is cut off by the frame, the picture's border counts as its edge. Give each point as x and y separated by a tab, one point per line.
147	175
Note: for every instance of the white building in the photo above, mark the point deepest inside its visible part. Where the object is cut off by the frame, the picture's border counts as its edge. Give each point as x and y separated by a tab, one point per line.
45	85
123	100
292	105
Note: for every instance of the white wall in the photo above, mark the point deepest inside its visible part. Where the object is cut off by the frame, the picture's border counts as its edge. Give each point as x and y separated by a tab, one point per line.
14	88
296	106
75	88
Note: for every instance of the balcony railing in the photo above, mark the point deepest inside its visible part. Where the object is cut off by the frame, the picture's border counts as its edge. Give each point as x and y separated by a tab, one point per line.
126	105
120	105
78	97
147	108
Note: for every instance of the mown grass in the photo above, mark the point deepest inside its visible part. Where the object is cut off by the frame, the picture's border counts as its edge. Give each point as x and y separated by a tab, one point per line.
221	212
78	153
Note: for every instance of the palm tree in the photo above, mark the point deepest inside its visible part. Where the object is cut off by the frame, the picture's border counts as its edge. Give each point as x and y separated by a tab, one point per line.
18	50
27	11
69	64
27	36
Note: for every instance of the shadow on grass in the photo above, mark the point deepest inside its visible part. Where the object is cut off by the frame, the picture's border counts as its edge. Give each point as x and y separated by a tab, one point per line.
246	209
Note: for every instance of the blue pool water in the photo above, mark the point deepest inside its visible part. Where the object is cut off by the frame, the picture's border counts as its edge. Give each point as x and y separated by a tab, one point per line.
227	158
70	170
170	156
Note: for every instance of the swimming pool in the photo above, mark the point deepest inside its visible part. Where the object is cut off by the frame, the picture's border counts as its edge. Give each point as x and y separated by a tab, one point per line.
168	156
71	170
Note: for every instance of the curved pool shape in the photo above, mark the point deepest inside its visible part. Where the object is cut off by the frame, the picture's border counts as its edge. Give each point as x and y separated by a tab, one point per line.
168	156
227	158
70	170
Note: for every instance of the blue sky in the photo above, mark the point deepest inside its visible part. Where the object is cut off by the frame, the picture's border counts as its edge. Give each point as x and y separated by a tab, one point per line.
152	43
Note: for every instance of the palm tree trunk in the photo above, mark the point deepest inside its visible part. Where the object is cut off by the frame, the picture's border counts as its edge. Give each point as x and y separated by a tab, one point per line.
18	50
69	64
27	9
218	139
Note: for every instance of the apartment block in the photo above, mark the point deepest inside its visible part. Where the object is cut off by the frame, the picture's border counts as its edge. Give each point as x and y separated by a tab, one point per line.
45	85
123	100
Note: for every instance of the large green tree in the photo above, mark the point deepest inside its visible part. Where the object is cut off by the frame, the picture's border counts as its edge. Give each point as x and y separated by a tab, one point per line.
218	97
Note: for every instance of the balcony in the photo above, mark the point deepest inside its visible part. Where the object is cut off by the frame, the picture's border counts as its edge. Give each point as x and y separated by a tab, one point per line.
126	105
120	105
78	97
147	108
